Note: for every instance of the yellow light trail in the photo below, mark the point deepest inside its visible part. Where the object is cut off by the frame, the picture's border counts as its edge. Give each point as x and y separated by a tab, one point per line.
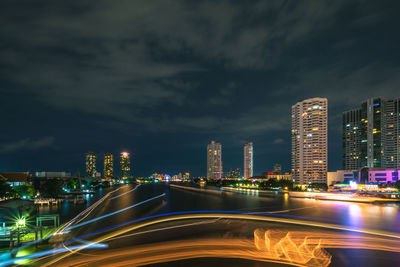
253	217
297	248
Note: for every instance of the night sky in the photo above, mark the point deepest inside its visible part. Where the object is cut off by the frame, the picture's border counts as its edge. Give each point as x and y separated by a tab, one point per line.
161	79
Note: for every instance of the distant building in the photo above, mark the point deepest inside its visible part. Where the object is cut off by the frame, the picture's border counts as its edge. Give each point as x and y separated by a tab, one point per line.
214	160
125	164
233	173
52	175
91	165
16	178
277	169
108	165
271	175
248	160
186	176
371	135
310	141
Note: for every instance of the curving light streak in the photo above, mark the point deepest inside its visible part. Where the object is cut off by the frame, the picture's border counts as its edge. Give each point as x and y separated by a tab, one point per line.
125	192
87	211
66	226
163	229
143	222
297	248
116	212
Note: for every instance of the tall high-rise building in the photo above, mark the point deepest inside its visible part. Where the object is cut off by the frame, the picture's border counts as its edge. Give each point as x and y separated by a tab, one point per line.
378	131
310	141
108	165
248	160
351	141
391	134
125	164
214	160
91	164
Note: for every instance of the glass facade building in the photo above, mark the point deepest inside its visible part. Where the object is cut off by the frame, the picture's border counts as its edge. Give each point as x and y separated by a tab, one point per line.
374	140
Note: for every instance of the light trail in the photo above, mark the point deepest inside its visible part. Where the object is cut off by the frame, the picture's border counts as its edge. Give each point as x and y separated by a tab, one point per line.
175	216
66	226
125	192
92	207
297	248
87	211
163	229
116	212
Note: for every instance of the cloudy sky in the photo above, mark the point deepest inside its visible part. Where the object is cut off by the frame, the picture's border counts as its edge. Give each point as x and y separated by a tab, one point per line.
163	78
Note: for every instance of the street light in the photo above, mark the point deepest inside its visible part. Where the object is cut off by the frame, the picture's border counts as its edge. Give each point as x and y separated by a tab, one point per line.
20	222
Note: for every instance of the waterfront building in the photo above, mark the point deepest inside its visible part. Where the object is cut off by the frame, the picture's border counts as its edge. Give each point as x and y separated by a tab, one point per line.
52	175
108	165
16	178
214	160
91	165
351	140
342	176
310	141
364	176
371	135
248	160
125	165
271	175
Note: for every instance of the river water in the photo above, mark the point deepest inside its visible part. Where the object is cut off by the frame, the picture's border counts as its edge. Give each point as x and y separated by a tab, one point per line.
381	217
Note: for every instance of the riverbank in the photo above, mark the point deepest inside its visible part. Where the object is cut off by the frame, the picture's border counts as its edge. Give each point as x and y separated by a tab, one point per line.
15	203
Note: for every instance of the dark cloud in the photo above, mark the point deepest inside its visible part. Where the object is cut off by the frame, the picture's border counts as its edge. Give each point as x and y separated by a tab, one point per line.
130	74
27	144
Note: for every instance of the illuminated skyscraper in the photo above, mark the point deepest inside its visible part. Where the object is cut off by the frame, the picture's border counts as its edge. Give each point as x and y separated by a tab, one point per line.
91	164
310	141
214	160
351	140
248	160
108	165
371	135
125	164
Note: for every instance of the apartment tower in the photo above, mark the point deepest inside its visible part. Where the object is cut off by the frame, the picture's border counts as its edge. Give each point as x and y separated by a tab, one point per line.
310	141
214	160
248	160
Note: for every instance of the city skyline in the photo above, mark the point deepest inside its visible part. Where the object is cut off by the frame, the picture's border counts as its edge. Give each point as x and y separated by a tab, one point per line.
204	133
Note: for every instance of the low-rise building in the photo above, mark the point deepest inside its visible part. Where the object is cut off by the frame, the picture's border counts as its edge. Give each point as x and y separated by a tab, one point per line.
272	175
342	176
16	178
364	176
